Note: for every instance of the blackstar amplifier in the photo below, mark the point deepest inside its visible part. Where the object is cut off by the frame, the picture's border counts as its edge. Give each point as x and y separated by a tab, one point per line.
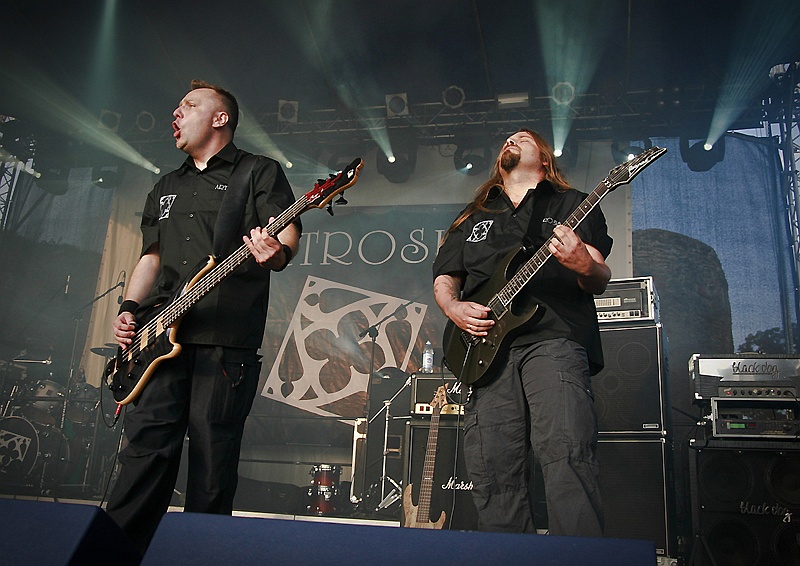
744	375
772	418
627	300
423	389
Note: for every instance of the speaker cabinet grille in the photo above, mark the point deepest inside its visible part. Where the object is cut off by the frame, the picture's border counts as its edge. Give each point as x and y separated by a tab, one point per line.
451	486
635	476
630	392
746	504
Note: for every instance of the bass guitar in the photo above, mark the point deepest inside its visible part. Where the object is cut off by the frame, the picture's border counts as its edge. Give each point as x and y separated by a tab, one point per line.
471	358
418	516
155	340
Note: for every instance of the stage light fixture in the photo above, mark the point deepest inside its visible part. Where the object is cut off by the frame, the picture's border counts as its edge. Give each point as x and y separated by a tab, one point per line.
513	100
397	104
471	160
287	111
567	156
453	96
107	176
563	93
623	150
698	156
109	120
17	140
145	121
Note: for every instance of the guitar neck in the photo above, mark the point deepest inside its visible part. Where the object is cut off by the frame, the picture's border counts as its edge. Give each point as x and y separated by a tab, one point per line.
426	485
501	301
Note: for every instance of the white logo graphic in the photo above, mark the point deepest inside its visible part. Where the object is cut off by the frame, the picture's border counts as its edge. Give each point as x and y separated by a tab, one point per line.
323	364
480	231
166	204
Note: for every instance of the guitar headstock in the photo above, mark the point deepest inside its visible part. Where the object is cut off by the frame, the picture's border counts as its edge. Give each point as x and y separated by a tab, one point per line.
324	190
624	173
439	398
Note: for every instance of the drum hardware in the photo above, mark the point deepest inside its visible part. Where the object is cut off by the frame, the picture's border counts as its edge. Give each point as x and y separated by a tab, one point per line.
396	492
324	489
28	450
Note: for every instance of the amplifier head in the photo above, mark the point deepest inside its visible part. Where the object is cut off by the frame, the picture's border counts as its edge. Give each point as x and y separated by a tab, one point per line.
744	375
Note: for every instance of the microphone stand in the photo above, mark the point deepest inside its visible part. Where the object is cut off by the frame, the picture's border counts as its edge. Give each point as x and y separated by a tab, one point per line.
78	315
372	331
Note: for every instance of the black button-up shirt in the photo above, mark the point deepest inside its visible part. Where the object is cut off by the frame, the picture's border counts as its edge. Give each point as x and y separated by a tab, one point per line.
179	216
475	249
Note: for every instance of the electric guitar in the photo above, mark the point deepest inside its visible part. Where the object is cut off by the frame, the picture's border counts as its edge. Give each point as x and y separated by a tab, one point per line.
155	340
471	358
418	516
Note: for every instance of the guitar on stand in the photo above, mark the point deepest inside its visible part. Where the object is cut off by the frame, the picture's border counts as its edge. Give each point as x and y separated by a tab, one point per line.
418	516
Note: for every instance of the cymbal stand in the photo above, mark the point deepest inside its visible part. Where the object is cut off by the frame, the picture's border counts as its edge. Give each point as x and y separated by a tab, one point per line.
394	495
372	331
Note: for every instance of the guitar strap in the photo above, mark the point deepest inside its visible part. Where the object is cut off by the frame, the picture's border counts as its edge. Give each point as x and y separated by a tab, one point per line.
231	211
533	237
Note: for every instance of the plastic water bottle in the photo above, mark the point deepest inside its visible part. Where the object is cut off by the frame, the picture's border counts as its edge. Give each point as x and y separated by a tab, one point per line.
427	358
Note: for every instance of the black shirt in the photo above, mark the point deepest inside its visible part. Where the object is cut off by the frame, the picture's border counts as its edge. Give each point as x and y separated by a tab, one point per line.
180	214
475	249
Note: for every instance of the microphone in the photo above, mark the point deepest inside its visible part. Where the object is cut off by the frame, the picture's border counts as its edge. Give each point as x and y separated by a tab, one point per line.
66	287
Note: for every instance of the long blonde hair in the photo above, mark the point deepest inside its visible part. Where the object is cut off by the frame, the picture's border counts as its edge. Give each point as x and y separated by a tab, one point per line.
551	173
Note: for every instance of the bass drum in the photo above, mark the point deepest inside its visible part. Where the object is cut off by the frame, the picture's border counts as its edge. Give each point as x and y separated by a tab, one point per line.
30	453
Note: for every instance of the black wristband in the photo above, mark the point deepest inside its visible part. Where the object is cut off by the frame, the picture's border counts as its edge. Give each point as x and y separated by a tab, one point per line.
128	306
288	253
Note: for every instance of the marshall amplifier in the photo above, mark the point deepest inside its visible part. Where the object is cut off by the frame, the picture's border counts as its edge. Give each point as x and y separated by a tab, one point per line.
423	389
752	376
628	300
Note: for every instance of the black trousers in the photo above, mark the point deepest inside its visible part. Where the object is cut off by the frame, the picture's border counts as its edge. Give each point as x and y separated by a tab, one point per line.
541	400
207	392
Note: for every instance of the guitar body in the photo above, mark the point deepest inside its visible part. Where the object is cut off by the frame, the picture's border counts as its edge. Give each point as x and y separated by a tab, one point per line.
471	358
130	371
410	512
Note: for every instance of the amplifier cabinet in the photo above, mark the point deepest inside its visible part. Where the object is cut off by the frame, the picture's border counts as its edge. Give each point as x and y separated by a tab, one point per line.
636	486
745	502
451	491
631	392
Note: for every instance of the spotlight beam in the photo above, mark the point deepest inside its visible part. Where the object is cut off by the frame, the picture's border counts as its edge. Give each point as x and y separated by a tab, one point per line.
60	112
763	31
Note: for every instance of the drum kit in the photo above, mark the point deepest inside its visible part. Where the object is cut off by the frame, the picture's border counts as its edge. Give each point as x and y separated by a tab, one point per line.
324	490
48	431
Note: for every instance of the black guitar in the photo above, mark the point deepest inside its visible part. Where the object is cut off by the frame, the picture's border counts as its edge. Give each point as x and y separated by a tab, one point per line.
155	341
470	357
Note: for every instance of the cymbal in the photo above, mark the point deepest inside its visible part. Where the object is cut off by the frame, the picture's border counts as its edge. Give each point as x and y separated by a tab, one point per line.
105	352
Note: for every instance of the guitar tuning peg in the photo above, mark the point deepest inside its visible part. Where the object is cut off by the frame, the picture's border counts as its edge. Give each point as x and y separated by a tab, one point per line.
321	181
341	200
330	209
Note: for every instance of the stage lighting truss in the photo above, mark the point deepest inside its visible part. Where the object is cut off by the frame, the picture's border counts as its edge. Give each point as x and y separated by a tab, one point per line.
699	157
